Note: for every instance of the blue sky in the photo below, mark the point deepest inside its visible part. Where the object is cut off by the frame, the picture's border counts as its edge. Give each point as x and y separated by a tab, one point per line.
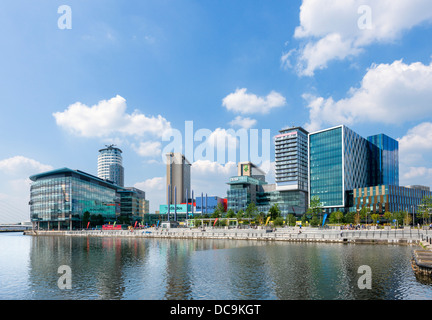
128	71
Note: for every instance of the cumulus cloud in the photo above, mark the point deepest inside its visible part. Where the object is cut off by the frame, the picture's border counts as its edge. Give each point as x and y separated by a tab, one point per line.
23	165
417	138
415	152
241	122
340	29
156	183
148	148
109	117
388	93
247	103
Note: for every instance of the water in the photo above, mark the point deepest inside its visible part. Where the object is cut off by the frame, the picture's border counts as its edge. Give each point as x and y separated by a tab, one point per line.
186	269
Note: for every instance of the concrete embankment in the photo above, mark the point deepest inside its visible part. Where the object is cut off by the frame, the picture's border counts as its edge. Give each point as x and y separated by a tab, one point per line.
414	237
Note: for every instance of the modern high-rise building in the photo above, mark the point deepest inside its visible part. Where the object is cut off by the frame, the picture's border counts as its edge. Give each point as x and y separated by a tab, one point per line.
338	163
291	171
178	178
110	165
291	158
341	161
383	160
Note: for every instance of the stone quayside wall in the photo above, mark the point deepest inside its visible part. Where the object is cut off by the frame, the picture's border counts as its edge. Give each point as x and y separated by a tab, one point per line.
406	236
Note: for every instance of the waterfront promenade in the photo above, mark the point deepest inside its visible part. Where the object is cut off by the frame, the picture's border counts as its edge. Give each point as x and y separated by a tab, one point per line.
392	236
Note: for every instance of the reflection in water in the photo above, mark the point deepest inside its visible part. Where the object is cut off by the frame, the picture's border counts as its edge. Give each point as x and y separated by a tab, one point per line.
183	269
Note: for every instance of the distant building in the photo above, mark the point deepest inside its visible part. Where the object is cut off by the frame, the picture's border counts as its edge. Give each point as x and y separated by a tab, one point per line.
178	178
110	165
208	204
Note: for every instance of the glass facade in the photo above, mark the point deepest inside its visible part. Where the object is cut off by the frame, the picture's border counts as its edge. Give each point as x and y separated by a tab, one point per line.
325	166
132	202
389	198
59	198
337	164
383	160
63	196
243	190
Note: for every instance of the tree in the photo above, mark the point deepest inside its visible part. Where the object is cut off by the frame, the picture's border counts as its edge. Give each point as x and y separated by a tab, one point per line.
274	211
350	217
240	214
230	213
406	217
388	215
291	220
375	217
338	216
260	217
251	210
425	207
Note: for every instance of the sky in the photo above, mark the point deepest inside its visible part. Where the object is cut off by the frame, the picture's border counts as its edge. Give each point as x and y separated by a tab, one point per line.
153	76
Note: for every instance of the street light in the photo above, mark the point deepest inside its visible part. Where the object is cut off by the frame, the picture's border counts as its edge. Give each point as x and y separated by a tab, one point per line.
412	208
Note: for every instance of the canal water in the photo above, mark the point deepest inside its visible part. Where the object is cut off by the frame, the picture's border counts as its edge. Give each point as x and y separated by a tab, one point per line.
188	269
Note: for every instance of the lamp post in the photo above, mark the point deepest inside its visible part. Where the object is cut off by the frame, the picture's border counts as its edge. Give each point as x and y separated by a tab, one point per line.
412	208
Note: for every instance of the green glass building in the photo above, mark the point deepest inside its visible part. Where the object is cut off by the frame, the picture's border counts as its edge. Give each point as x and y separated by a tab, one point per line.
338	163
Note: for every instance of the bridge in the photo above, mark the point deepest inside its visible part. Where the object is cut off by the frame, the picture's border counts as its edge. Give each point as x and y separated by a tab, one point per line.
14	227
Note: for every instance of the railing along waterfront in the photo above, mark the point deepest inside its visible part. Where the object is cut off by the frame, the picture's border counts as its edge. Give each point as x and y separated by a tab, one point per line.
279	234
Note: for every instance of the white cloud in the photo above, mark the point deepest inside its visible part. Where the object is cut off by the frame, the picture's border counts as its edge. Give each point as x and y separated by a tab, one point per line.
15	189
148	148
22	166
156	183
389	93
154	189
212	177
109	117
339	29
247	103
241	122
418	138
415	152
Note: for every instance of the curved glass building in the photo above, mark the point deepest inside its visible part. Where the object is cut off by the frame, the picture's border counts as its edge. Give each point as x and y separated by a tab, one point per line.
110	165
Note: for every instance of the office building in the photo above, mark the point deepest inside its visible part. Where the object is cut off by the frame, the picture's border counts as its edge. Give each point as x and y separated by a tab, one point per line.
291	159
338	163
178	178
383	160
208	204
110	165
291	171
133	203
390	198
60	198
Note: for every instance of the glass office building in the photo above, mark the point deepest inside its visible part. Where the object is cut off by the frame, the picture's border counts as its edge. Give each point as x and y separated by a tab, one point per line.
383	160
338	163
243	190
390	198
59	199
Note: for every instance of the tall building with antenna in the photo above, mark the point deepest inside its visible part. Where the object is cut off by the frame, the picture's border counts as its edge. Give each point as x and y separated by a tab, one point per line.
110	165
